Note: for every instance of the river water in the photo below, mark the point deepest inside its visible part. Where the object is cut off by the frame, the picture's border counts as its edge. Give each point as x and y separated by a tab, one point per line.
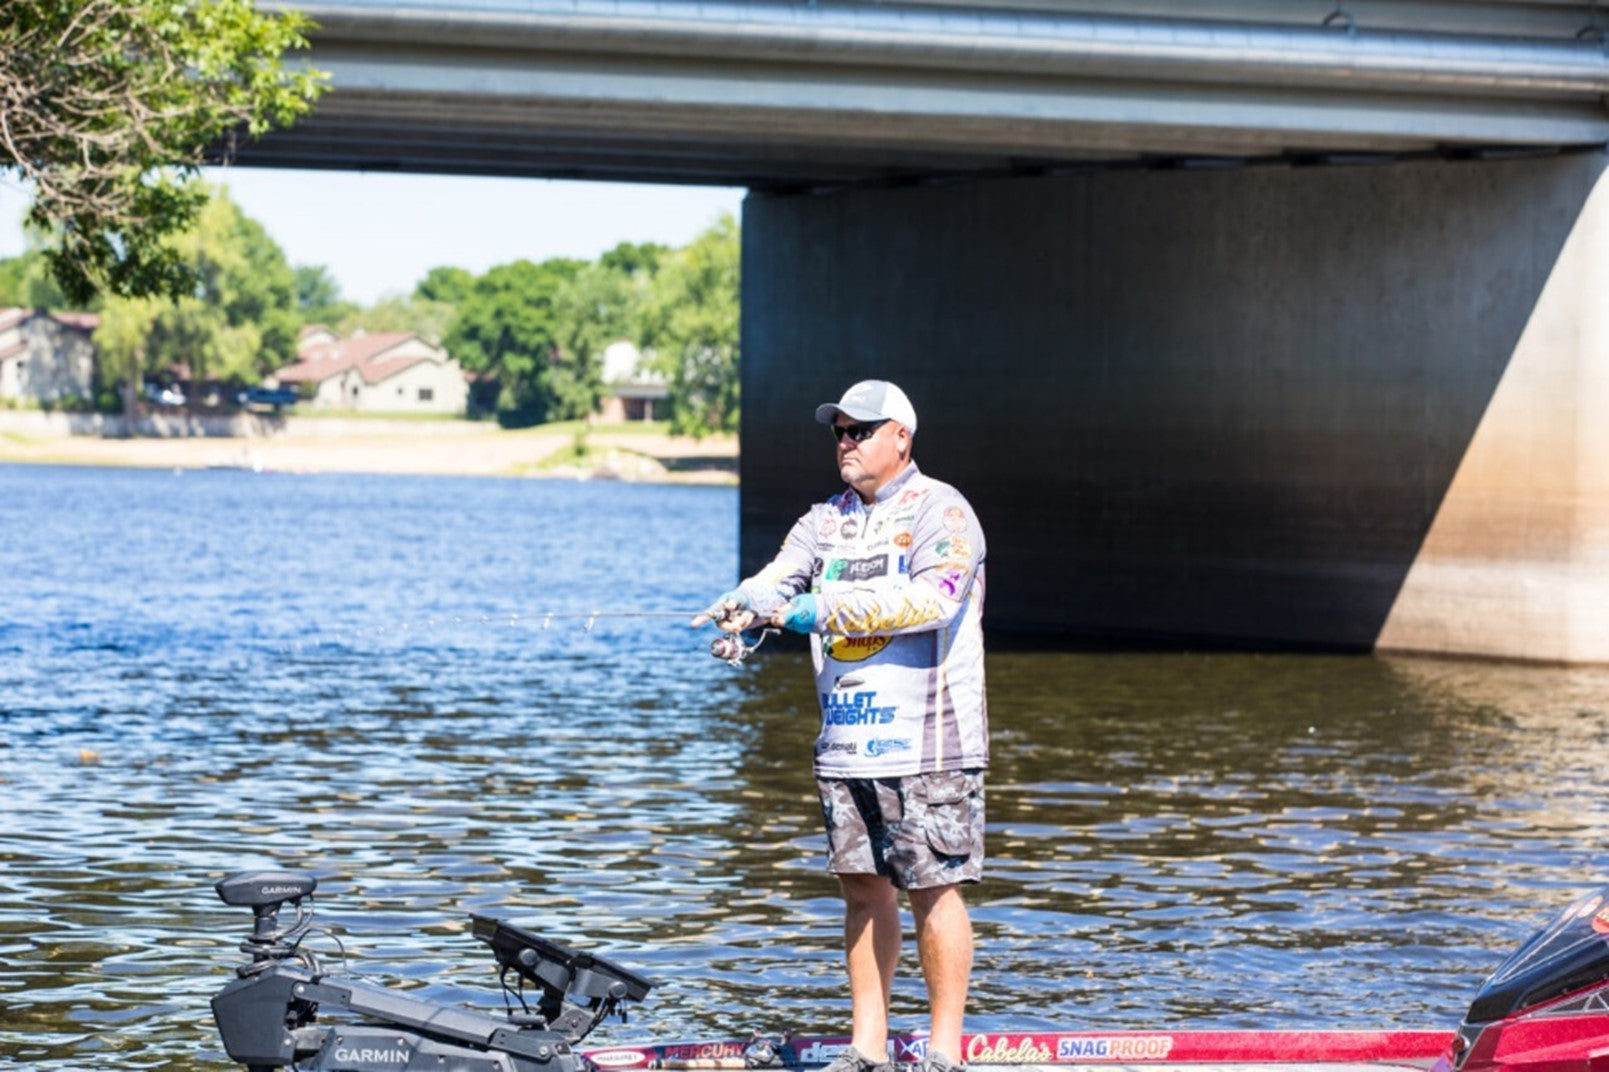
350	675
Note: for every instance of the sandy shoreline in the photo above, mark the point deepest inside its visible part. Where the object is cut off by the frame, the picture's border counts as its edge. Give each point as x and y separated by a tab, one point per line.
437	448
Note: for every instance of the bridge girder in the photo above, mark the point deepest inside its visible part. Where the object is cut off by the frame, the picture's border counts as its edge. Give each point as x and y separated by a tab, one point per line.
797	95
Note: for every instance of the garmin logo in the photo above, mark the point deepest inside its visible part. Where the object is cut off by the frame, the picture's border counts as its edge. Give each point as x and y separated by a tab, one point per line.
364	1053
275	891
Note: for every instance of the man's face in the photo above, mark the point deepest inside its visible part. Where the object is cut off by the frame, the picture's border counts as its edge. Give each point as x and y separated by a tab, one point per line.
876	457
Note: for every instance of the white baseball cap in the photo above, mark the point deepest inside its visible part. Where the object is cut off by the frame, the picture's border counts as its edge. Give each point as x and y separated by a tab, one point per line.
871	400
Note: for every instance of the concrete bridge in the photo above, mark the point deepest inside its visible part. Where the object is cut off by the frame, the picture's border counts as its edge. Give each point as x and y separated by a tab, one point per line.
1286	324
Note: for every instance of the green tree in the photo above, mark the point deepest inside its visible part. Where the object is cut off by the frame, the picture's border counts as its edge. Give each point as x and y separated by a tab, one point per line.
692	325
634	259
109	107
238	322
506	328
318	296
26	280
122	340
427	319
602	303
449	285
242	276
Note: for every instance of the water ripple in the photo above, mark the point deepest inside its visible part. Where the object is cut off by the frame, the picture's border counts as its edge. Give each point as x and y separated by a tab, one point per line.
350	676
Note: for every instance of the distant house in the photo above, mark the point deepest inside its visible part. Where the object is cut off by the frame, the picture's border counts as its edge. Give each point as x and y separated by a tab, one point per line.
379	372
632	391
46	357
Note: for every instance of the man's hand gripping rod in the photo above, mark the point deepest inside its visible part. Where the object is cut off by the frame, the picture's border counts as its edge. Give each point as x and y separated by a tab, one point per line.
733	615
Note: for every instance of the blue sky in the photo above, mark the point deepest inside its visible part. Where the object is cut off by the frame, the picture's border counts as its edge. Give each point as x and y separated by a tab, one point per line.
379	233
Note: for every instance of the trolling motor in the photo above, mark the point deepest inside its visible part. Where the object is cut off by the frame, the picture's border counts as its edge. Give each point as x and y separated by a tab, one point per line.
269	1014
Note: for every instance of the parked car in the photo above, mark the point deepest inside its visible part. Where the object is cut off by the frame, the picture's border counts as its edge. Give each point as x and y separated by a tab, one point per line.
276	397
164	395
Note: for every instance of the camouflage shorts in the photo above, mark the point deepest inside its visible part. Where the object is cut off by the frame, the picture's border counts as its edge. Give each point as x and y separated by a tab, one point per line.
920	831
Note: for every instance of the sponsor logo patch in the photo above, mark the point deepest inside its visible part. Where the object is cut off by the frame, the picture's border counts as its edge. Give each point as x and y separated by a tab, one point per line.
853	649
857	569
955	518
857	709
619	1058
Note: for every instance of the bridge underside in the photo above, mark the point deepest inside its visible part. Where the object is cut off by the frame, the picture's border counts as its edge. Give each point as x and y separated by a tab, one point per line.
1204	381
787	96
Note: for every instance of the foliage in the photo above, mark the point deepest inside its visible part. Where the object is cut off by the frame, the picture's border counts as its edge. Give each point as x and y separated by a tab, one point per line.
634	258
107	108
122	340
429	320
26	280
692	325
318	296
449	285
239	322
506	328
601	305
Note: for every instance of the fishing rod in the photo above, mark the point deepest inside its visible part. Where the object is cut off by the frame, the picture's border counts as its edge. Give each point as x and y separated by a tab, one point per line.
730	648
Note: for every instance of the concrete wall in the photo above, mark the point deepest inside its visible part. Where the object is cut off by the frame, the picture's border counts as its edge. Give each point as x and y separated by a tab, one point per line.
1204	406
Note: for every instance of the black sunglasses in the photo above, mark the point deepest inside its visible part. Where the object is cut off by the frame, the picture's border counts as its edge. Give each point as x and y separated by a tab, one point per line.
858	432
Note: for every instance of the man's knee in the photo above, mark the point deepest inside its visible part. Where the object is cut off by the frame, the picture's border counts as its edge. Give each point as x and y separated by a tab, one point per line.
941	903
866	890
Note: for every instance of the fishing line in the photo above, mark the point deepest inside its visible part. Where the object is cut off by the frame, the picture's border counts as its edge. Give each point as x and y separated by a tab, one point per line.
730	648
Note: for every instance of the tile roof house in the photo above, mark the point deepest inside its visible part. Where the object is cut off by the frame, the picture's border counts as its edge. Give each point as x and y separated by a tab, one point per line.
378	372
47	357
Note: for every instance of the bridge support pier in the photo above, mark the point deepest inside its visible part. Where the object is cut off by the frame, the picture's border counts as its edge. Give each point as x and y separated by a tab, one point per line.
1315	407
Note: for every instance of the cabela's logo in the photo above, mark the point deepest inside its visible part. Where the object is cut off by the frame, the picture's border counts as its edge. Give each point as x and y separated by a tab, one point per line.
1007	1050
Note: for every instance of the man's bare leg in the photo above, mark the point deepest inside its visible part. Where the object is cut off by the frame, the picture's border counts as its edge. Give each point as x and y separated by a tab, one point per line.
871	951
944	940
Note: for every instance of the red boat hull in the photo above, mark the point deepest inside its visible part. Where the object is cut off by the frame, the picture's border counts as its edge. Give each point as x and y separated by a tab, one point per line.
1068	1050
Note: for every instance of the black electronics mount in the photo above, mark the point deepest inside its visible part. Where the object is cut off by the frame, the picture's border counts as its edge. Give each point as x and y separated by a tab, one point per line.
269	1015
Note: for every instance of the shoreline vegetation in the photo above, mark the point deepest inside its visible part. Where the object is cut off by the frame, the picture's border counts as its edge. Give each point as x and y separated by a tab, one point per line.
571	450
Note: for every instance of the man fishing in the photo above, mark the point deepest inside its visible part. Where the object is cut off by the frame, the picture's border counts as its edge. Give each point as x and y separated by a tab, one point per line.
887	579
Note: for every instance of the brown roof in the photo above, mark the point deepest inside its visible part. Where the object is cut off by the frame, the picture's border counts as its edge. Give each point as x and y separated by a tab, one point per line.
81	321
11	317
367	353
